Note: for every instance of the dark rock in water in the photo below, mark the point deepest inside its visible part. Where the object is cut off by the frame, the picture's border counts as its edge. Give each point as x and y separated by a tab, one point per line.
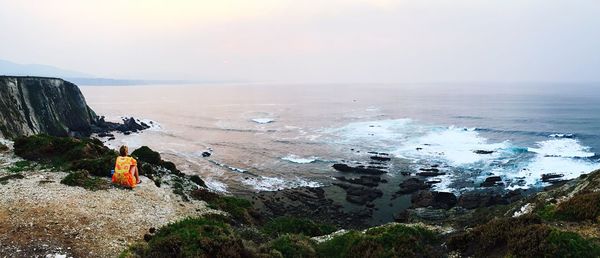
514	195
206	154
435	165
483	152
378	158
551	177
429	174
412	185
3	148
429	169
478	199
492	181
437	200
111	138
377	167
378	153
129	125
312	203
359	170
419	148
360	194
402	217
405	173
370	181
106	134
433	181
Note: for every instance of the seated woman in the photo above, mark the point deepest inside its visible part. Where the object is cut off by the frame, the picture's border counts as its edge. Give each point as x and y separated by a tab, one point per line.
126	172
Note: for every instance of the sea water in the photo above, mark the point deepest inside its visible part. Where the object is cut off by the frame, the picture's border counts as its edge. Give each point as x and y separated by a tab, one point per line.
266	137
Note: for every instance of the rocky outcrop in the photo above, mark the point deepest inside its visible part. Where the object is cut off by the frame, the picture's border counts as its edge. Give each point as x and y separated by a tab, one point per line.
34	105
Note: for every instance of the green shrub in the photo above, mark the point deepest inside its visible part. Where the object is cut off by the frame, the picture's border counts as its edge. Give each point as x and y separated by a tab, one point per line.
583	206
290	225
387	241
293	246
193	237
66	153
97	167
147	155
569	244
241	210
82	178
20	166
547	212
519	237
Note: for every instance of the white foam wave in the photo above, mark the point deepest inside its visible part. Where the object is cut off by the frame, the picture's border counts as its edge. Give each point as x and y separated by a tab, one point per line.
381	133
296	159
467	150
263	120
564	147
266	183
456	146
215	185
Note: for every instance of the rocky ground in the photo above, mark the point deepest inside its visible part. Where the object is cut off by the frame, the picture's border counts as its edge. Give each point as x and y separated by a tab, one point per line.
39	216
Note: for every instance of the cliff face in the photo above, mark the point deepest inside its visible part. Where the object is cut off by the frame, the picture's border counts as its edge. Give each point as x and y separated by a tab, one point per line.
33	105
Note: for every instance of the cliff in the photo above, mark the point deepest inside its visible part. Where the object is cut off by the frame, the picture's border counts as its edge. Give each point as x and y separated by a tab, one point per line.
33	105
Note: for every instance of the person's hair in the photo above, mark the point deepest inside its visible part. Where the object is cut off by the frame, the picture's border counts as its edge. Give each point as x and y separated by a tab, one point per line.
123	151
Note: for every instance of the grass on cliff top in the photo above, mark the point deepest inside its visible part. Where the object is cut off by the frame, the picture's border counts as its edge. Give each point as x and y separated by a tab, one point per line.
83	179
241	210
212	236
20	166
192	237
67	153
290	225
521	237
386	241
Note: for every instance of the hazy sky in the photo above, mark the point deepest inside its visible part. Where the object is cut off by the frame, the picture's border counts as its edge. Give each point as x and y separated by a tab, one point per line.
309	40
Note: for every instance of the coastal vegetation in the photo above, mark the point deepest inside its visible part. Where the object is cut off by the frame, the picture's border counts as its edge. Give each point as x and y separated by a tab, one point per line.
239	230
213	236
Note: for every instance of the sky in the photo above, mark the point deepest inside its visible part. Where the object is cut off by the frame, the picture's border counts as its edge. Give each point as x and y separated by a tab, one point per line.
349	41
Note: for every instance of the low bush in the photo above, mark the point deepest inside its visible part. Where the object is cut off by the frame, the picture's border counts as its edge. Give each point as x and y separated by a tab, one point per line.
20	166
241	210
67	153
83	179
193	237
387	241
583	206
290	225
520	237
145	154
292	246
547	212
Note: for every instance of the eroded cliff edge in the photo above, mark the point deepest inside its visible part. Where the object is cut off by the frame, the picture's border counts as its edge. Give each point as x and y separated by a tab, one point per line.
34	105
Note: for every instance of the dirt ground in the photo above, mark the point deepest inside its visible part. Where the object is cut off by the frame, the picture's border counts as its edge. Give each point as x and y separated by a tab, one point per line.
39	217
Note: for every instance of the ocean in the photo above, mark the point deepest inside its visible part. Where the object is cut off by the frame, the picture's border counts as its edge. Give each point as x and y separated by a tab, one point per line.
266	137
